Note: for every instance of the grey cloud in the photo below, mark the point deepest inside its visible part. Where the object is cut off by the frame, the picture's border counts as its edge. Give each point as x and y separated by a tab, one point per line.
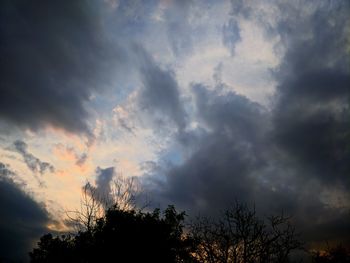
217	75
235	158
160	94
131	17
219	170
125	124
33	163
332	229
279	159
102	188
231	34
311	115
81	159
54	55
22	220
103	180
5	171
244	9
179	30
230	111
284	158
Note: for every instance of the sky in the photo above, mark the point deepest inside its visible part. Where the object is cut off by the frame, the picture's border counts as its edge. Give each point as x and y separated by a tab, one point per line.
205	102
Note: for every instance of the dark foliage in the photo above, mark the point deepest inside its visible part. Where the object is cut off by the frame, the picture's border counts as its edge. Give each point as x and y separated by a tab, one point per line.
121	236
337	254
130	235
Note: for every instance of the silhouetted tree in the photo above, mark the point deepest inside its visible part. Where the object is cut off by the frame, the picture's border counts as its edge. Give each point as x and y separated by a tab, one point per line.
53	249
337	254
111	229
93	204
91	209
240	236
122	236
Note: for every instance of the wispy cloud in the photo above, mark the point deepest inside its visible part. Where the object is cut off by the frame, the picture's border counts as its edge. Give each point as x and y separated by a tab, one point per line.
32	162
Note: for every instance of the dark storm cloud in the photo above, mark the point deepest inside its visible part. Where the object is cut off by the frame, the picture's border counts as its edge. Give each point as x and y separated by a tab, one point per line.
283	159
220	167
312	114
32	162
22	219
334	230
160	94
236	158
53	56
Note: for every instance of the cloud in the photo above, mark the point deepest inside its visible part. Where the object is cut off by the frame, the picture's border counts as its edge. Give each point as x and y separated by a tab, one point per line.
54	56
282	157
160	94
234	157
102	189
312	112
122	118
82	159
216	146
69	153
32	162
4	171
224	155
285	157
231	34
22	220
179	30
103	180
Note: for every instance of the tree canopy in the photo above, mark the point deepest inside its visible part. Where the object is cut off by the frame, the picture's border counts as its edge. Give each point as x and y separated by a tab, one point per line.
121	236
113	229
